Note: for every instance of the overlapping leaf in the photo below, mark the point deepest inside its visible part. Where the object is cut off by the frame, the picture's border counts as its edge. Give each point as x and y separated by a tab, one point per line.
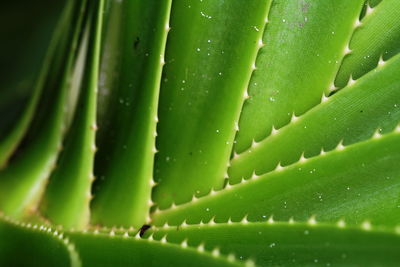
106	250
31	245
260	61
210	55
23	182
290	244
71	208
299	61
356	183
351	115
134	53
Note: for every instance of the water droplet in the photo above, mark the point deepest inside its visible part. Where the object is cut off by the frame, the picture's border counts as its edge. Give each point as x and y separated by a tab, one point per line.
205	15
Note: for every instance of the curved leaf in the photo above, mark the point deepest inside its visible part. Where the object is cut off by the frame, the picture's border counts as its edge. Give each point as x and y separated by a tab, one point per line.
378	36
22	183
359	182
292	244
298	63
210	55
30	245
136	42
111	250
351	115
71	208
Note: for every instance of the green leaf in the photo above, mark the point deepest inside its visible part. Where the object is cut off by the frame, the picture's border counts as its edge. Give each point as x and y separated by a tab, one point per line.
112	250
373	3
378	36
71	208
359	182
350	115
22	183
30	245
136	41
28	29
298	63
291	244
211	51
9	143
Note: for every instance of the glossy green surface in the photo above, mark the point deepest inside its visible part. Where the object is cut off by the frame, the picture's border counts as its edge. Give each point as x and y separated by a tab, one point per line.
359	182
105	250
299	61
228	133
37	246
354	114
134	51
210	52
71	208
291	244
377	37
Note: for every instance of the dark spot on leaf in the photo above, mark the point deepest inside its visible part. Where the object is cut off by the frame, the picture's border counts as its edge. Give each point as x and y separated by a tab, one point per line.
136	43
143	229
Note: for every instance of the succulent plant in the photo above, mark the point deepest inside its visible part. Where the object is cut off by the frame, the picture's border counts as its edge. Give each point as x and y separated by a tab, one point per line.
229	133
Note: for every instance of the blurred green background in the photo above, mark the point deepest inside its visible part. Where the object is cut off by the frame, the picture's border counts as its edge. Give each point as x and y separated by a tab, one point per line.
26	27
